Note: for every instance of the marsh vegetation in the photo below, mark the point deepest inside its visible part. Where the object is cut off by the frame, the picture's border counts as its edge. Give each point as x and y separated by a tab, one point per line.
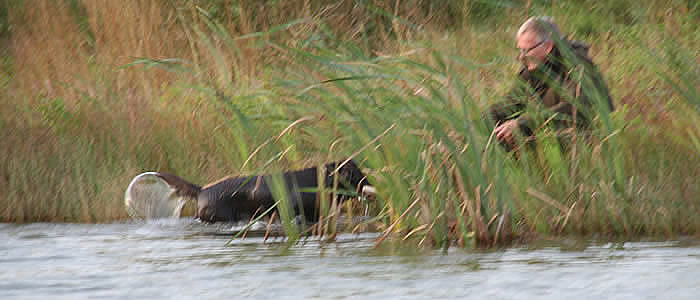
94	93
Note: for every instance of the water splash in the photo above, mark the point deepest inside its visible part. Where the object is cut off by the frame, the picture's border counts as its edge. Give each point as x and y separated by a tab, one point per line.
150	197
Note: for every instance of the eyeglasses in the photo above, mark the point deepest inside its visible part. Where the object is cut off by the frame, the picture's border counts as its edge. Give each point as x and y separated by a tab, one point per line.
525	52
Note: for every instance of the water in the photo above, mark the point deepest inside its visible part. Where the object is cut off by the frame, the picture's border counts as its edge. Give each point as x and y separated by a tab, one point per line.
150	197
180	259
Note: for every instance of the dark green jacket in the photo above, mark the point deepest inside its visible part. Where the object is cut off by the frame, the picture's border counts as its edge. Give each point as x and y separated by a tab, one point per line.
566	91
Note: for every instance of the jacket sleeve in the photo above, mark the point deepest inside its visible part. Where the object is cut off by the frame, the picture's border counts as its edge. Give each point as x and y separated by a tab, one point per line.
509	107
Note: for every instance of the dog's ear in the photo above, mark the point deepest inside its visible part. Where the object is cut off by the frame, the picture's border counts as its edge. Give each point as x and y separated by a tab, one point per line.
352	174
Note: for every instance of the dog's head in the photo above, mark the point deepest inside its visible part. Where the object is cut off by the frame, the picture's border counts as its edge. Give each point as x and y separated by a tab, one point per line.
350	175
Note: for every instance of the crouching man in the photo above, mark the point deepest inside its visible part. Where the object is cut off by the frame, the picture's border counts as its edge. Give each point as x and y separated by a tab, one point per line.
557	86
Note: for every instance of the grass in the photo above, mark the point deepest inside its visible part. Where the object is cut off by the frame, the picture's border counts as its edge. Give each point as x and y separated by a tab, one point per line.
99	92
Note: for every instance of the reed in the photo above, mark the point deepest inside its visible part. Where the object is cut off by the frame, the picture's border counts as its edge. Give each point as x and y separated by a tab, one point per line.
95	93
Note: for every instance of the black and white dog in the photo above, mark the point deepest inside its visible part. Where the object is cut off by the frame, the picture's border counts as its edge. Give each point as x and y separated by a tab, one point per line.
234	199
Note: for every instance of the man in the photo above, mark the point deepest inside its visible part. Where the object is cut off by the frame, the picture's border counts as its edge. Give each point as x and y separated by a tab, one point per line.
558	85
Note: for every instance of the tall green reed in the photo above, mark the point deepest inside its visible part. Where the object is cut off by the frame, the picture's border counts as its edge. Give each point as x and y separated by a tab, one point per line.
441	177
259	97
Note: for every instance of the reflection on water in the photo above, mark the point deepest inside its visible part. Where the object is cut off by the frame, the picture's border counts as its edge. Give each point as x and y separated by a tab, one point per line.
183	259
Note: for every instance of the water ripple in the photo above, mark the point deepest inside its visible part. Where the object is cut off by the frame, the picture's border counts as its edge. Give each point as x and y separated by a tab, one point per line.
165	259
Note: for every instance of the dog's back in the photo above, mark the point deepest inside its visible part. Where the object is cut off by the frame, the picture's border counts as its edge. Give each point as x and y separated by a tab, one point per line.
239	198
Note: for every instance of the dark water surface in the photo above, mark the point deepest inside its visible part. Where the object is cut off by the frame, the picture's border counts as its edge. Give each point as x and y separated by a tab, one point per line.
179	259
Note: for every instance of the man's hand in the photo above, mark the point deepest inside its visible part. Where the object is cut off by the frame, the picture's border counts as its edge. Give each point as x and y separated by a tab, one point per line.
504	132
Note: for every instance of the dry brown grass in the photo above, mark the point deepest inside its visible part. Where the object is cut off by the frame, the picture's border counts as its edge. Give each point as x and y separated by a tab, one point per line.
77	126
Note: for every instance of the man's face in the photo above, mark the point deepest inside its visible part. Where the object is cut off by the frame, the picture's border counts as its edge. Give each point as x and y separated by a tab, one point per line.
533	51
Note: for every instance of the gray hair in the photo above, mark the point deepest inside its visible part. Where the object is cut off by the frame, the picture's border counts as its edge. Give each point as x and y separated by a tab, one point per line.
542	26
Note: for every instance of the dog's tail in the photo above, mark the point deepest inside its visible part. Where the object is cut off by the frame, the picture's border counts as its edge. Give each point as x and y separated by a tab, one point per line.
181	187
